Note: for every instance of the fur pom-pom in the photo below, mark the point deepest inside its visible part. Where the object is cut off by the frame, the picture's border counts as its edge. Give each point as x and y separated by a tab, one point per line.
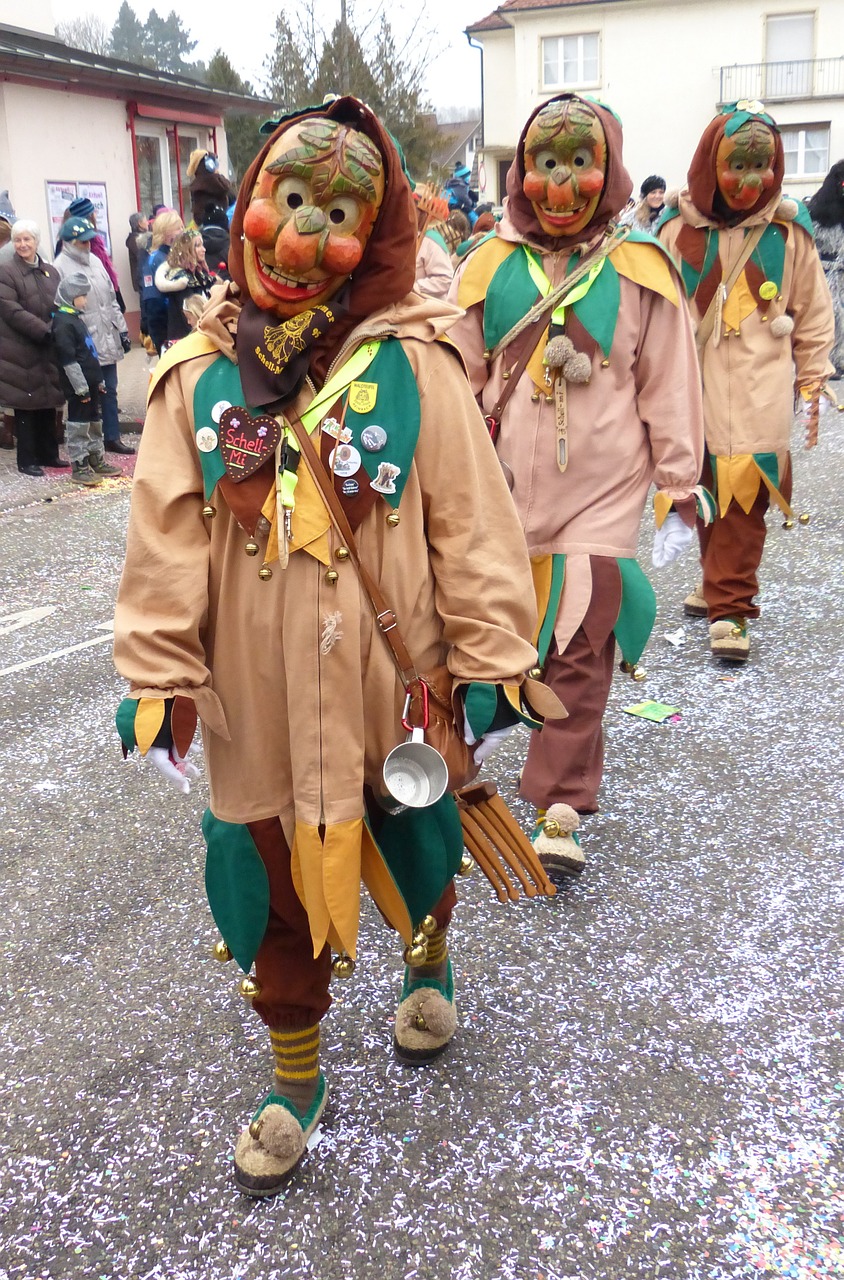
557	351
280	1133
578	367
787	210
567	819
672	198
781	326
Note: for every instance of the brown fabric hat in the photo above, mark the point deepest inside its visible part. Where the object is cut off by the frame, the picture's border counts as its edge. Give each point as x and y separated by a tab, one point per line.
703	180
617	183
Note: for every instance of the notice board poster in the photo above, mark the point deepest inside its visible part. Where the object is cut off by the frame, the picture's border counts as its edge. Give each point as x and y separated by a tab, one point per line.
59	196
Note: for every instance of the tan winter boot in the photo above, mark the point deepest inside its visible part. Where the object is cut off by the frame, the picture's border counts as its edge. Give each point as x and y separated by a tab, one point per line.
729	639
694	605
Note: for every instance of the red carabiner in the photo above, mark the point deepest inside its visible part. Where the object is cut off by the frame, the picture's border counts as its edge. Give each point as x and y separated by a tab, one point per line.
405	719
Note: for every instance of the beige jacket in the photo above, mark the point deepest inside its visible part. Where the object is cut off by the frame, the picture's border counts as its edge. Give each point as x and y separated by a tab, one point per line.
290	730
750	377
434	271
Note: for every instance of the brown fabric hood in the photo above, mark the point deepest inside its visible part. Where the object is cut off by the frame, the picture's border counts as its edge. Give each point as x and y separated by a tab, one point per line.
703	182
387	270
617	184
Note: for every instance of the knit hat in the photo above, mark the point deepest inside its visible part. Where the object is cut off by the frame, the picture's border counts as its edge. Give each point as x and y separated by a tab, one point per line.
81	207
72	286
75	229
653	183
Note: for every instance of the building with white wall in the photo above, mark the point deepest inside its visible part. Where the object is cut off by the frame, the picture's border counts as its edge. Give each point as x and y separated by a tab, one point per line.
666	66
74	123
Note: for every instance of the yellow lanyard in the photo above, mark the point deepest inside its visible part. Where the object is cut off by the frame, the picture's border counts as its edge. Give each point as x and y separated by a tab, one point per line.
543	284
287	452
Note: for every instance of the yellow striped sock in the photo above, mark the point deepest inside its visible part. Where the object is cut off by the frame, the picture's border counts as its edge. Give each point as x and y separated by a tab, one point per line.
296	1056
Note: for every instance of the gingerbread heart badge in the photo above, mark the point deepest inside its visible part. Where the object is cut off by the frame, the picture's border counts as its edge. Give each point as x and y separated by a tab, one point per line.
246	442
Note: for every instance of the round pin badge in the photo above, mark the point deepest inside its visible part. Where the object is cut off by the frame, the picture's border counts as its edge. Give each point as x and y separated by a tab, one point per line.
219	409
344	460
373	438
351	488
767	290
206	439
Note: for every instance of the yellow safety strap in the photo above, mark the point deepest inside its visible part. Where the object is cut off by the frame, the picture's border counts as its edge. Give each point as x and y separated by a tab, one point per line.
543	284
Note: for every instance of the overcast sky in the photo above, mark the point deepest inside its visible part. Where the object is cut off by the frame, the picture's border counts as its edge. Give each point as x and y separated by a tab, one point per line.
244	30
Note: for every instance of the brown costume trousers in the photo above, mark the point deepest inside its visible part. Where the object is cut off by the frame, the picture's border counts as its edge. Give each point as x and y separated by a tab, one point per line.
294	984
731	552
565	760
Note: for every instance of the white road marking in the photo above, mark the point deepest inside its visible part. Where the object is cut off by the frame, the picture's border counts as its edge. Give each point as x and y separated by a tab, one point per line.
60	653
14	621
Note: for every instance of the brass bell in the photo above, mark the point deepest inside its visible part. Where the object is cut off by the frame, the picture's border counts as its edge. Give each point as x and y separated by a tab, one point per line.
221	951
265	573
393	518
605	364
487	355
209	512
420	939
249	987
428	926
535	397
552	828
804	517
419	1023
414	956
535	673
251	548
788	524
255	1128
342	553
466	864
342	966
626	667
638	673
736	633
331	577
505	374
549	399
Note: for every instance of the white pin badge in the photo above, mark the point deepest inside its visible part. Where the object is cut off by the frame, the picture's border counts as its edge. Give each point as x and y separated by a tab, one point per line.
219	409
206	439
344	460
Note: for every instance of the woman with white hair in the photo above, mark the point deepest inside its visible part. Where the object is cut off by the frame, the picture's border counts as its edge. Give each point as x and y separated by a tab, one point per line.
29	375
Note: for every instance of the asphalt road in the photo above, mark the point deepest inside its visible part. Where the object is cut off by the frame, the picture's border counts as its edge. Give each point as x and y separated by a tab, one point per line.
647	1081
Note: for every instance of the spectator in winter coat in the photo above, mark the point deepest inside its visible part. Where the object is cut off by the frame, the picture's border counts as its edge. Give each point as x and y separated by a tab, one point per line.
215	237
29	379
183	275
137	246
82	207
645	215
103	317
166	226
82	383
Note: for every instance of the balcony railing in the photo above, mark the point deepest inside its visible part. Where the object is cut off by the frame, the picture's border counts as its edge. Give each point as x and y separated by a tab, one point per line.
779	81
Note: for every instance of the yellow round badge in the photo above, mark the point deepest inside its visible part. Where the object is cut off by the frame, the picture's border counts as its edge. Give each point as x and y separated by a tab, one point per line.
768	290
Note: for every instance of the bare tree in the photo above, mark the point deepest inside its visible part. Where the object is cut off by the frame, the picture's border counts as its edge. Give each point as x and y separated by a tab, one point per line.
88	32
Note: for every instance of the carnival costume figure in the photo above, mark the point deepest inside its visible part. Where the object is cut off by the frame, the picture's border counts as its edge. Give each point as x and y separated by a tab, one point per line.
580	348
765	329
318	380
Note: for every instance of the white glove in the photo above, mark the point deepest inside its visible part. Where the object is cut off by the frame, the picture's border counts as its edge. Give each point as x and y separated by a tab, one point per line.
490	742
671	540
171	766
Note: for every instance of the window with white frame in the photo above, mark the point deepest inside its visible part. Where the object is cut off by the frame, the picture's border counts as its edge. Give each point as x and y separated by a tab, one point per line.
806	148
570	62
